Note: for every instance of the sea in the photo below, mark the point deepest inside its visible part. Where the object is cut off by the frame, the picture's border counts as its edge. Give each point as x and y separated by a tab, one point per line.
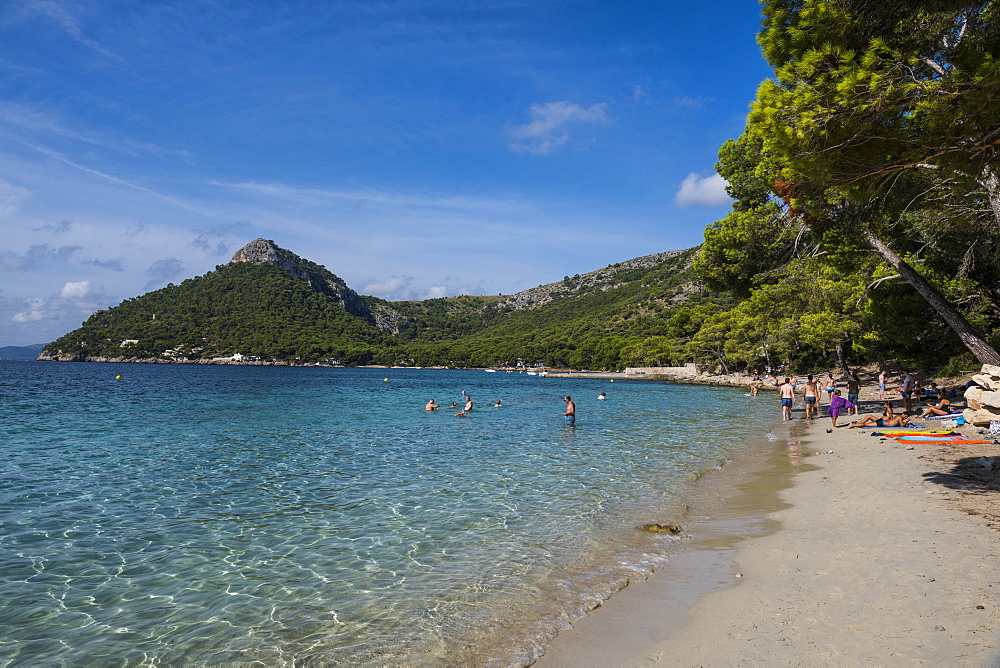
186	514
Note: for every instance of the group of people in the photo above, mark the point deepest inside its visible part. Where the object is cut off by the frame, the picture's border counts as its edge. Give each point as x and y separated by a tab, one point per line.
812	396
812	392
569	414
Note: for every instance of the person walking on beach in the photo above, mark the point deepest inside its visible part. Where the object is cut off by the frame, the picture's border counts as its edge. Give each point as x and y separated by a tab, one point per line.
837	403
810	395
853	392
570	412
787	393
881	385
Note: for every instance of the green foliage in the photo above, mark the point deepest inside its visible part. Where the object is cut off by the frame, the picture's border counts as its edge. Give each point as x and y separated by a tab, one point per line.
252	309
262	311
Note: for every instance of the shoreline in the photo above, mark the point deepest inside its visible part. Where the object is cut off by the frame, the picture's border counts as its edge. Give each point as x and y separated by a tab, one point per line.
869	562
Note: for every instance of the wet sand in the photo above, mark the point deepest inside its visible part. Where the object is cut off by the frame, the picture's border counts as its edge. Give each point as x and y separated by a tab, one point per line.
869	557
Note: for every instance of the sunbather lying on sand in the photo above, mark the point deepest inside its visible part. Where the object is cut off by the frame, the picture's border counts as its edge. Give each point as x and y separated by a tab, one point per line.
869	421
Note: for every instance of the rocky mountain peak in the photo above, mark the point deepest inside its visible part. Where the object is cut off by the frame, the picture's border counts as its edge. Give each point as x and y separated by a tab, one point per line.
265	251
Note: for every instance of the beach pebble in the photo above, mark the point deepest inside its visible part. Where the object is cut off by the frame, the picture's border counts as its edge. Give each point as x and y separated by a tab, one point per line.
939	628
930	579
909	447
739	575
980	607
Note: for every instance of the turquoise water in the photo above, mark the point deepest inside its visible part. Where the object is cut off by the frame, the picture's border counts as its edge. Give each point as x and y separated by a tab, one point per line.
222	514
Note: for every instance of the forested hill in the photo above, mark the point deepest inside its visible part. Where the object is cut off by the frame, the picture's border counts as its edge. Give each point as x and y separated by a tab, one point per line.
269	304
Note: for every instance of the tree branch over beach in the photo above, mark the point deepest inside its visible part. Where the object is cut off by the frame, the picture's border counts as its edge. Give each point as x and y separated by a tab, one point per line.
880	132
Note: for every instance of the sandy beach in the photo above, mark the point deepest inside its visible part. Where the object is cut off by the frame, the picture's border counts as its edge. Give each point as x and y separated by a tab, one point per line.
874	555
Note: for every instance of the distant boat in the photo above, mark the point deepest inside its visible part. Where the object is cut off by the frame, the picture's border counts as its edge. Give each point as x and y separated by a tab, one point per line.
491	370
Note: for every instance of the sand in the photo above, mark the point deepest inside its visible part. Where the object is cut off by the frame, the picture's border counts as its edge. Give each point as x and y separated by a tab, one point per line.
872	559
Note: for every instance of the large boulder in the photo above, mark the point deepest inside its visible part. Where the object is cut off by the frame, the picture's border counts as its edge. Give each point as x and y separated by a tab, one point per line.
991	370
977	398
981	417
987	380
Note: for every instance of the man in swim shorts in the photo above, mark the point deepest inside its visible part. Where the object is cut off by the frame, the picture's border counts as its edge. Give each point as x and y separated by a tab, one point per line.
570	410
787	393
853	392
810	394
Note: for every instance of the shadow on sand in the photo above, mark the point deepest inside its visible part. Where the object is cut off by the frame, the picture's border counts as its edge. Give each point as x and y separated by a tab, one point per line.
969	475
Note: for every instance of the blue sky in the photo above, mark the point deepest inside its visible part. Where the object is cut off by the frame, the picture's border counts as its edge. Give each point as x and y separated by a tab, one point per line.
415	148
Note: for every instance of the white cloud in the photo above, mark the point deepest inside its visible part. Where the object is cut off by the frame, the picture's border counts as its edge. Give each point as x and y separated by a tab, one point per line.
74	299
74	290
702	191
547	129
394	288
34	312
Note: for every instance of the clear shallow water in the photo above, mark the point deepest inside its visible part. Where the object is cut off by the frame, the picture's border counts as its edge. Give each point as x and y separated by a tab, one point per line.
193	514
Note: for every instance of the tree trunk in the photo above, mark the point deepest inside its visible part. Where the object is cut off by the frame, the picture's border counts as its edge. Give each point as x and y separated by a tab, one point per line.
982	350
991	183
843	361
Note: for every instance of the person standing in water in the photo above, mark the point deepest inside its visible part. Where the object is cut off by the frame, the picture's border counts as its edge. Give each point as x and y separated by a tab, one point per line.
787	393
570	412
468	406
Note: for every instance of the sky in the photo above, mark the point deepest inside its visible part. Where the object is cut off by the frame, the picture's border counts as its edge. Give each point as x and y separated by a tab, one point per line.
415	148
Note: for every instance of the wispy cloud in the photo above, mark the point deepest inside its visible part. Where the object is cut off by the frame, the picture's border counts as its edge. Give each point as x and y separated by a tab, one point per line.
548	128
219	239
67	22
400	288
702	191
163	271
37	256
114	265
11	197
62	227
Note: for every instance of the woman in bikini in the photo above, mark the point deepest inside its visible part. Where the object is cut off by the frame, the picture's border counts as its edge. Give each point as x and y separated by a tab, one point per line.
900	420
943	408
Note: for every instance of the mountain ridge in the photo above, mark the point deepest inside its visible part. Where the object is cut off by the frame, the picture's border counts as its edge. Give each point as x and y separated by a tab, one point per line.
269	304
